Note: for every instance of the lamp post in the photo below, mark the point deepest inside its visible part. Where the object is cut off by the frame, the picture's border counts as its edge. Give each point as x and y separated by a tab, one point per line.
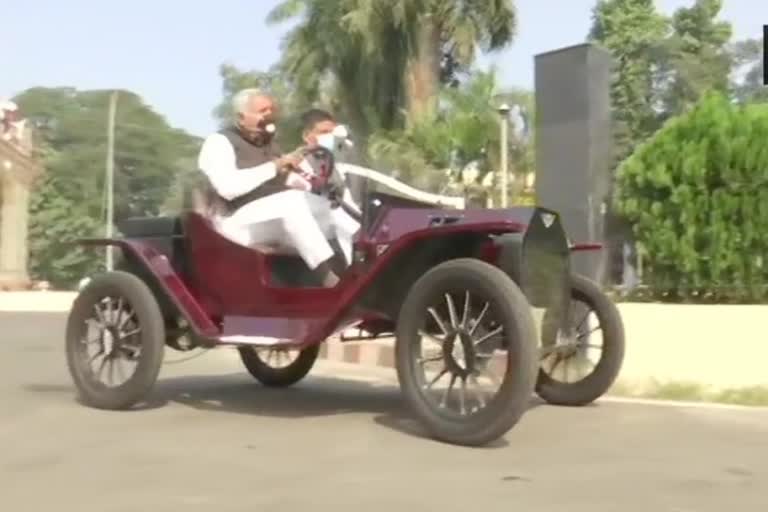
504	148
110	172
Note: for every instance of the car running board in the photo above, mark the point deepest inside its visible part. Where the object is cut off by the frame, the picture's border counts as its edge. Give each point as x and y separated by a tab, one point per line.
256	341
266	331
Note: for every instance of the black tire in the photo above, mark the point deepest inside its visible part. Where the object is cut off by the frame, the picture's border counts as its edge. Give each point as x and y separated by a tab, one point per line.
279	377
513	311
150	340
169	311
597	383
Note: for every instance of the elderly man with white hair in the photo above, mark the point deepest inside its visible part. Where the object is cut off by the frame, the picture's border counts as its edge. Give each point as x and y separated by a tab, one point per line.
251	196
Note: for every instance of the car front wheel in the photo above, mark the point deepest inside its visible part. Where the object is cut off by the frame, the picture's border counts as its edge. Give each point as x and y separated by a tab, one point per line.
466	352
115	341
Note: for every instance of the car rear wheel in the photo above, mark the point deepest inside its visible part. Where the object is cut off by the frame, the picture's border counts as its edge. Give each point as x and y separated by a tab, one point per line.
278	367
466	352
114	341
579	366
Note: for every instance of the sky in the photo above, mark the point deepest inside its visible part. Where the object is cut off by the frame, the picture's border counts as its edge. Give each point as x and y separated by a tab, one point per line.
169	51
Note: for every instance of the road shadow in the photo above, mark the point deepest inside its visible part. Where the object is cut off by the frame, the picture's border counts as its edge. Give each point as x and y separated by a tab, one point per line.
316	396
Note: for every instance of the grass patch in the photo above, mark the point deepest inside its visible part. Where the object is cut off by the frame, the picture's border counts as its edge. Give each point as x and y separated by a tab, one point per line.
756	396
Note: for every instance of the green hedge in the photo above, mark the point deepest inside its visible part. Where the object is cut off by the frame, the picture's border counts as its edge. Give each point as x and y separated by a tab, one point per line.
696	194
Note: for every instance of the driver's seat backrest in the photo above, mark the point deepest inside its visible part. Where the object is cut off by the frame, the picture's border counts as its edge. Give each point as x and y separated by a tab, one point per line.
197	198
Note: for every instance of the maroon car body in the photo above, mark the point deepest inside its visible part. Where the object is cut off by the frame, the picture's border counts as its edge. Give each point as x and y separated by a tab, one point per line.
221	289
463	280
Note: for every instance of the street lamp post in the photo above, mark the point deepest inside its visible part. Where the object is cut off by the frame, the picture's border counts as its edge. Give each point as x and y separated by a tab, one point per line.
504	148
110	171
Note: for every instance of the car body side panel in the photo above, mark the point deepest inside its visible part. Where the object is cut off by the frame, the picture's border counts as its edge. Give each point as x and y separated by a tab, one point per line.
583	246
398	222
223	283
389	260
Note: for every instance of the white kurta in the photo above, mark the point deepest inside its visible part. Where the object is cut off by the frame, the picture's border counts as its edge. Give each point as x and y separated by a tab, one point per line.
294	218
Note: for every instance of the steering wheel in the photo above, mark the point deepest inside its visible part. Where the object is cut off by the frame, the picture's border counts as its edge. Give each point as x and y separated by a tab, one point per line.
319	169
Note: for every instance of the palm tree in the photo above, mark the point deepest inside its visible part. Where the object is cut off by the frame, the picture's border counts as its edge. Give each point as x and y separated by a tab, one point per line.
389	56
436	33
318	54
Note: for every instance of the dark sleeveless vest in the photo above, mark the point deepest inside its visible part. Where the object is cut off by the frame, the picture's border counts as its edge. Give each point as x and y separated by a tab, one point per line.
247	154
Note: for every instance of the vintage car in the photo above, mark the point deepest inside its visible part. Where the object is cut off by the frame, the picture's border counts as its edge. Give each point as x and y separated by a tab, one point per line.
458	289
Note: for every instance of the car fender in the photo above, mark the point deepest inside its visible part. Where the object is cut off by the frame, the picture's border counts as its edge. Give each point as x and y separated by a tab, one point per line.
403	260
584	246
168	287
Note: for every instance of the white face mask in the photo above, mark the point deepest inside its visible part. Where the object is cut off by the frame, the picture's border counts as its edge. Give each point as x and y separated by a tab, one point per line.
328	141
335	141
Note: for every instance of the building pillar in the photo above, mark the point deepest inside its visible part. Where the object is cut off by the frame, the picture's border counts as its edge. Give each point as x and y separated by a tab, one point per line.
14	217
19	169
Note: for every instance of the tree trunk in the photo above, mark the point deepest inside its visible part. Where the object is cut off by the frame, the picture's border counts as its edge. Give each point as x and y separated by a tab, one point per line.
422	73
358	125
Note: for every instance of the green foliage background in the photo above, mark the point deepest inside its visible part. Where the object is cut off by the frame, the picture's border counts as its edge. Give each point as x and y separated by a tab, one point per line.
402	75
69	201
697	196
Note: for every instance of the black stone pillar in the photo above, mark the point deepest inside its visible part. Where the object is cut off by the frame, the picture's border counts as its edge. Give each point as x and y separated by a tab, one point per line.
574	146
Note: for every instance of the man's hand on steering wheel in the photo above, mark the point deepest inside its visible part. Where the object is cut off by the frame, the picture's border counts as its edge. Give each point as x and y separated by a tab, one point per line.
288	162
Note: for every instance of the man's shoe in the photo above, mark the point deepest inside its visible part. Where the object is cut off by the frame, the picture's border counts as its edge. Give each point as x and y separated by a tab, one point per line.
327	276
330	280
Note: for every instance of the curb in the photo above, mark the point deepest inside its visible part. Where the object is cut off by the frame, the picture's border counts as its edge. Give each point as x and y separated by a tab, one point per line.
380	353
682	404
36	302
377	353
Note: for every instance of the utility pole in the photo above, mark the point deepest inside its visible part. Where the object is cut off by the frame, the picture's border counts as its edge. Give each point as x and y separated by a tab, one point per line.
504	143
110	178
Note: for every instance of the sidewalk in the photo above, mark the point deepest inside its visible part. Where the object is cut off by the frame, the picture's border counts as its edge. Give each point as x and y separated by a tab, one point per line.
36	302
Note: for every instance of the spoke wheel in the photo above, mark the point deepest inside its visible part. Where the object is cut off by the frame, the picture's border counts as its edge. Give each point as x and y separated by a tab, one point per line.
580	363
278	367
115	341
466	352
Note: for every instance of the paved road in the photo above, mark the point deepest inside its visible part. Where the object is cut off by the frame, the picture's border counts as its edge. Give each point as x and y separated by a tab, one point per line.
214	440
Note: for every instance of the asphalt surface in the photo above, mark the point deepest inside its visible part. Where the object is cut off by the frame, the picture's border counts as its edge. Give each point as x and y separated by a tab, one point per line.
212	439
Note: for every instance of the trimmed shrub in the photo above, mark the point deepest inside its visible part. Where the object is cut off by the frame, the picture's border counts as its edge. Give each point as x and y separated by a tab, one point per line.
696	194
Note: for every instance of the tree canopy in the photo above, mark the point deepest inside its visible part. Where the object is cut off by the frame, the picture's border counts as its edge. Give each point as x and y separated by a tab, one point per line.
433	154
69	202
748	66
696	194
385	61
694	60
633	31
403	75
